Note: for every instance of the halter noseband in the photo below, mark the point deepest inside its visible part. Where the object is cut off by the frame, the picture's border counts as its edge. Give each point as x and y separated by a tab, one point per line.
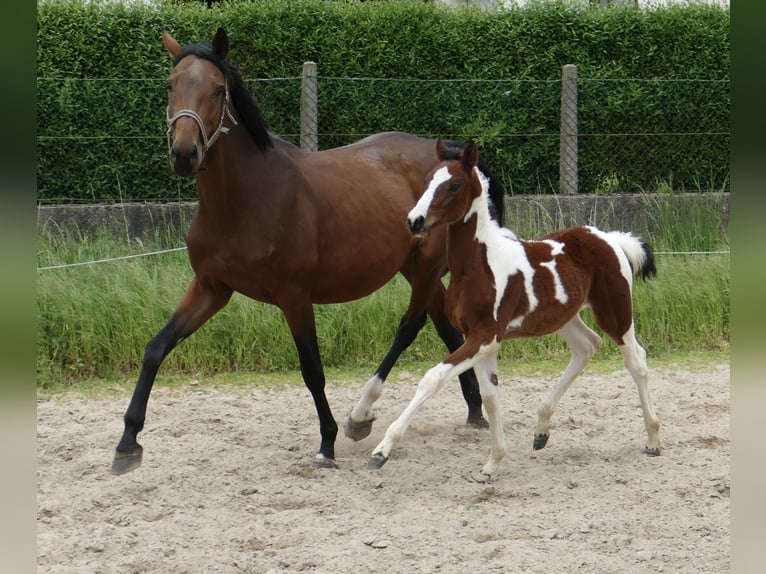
207	142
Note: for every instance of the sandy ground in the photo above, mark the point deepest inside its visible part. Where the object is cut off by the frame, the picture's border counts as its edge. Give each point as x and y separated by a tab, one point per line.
227	483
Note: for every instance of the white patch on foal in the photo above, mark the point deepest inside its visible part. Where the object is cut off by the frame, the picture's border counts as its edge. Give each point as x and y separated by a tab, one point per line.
505	254
421	207
557	248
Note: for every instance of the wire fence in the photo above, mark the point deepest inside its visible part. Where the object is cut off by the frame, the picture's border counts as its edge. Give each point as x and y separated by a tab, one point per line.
627	134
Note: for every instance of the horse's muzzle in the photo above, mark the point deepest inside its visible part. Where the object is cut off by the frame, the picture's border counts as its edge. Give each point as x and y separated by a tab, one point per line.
417	225
185	162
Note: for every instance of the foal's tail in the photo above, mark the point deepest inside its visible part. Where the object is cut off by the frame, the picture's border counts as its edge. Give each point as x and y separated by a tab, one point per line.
639	254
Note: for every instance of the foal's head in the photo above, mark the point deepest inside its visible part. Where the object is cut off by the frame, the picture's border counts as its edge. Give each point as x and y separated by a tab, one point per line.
450	190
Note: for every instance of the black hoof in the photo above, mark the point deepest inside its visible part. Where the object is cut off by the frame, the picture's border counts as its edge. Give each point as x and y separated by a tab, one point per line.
357	430
321	461
652	451
477	421
376	461
124	462
540	442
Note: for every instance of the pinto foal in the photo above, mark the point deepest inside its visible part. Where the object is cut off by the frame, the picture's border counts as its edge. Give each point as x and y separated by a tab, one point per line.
503	288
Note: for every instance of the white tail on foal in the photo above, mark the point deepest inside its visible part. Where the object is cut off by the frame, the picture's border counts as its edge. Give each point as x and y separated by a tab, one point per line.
502	287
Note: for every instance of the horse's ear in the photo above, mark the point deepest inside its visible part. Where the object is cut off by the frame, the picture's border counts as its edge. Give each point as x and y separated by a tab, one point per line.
470	155
221	44
170	44
441	149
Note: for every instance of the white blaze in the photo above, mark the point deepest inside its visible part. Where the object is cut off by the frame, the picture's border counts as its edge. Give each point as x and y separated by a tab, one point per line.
421	207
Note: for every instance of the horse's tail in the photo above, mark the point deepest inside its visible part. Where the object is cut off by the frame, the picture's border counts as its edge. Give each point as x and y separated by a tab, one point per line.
639	254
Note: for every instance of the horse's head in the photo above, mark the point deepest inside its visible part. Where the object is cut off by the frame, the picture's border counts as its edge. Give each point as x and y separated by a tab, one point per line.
198	101
450	189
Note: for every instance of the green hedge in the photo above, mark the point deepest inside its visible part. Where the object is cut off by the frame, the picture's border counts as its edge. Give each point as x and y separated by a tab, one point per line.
101	93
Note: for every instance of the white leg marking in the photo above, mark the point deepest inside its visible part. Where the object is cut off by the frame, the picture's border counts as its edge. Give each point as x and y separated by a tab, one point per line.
635	361
486	372
362	411
433	380
584	343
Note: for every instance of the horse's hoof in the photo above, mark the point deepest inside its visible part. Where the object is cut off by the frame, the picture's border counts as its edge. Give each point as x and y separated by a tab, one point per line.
376	461
652	451
321	461
477	421
357	430
540	441
124	462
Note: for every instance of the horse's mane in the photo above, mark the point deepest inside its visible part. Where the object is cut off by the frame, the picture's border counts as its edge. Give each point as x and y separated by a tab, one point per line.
249	113
496	191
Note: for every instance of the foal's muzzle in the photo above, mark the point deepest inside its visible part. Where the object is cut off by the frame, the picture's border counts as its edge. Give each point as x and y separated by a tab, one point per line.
417	225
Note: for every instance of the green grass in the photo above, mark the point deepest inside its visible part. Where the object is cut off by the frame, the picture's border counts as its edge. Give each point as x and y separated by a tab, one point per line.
94	321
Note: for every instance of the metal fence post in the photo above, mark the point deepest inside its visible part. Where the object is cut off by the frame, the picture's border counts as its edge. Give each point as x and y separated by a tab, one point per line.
309	108
568	141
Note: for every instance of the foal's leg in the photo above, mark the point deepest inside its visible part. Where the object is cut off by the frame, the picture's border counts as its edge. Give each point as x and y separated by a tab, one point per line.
427	292
635	361
300	319
584	343
200	302
458	362
469	384
486	370
359	422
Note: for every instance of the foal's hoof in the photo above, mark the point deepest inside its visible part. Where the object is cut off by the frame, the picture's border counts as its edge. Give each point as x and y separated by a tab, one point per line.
540	441
357	430
652	451
321	461
477	421
376	461
124	462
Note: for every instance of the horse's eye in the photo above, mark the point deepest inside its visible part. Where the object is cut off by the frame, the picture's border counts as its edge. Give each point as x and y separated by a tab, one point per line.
219	91
454	187
169	86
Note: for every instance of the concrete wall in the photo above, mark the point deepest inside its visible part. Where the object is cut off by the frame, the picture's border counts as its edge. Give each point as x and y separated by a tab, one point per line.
623	212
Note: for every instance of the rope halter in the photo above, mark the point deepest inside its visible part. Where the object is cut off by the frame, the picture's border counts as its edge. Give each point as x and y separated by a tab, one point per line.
207	142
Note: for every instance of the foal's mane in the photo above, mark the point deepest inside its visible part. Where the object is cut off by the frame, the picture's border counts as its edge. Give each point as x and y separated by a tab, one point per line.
249	113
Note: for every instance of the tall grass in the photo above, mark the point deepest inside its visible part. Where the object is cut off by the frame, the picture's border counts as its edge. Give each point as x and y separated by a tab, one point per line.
93	321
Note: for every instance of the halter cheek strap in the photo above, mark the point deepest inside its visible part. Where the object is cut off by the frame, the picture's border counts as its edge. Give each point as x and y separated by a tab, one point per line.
207	142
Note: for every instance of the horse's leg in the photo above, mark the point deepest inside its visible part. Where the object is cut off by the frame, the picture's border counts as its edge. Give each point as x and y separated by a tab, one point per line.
486	370
300	318
584	343
635	361
458	362
199	303
359	422
454	339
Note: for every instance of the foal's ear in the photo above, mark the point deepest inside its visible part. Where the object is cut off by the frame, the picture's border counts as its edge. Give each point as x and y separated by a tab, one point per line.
170	44
221	44
441	149
469	157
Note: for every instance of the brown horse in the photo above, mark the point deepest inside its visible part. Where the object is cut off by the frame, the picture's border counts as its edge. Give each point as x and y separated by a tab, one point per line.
504	288
292	228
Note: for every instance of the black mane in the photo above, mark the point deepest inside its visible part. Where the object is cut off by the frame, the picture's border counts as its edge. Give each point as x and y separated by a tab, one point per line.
249	113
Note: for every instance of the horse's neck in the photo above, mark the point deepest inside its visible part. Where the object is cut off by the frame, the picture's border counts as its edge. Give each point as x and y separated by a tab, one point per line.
222	194
476	231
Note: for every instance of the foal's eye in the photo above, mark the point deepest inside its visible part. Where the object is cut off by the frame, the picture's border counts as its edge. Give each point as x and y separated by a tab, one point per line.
454	187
